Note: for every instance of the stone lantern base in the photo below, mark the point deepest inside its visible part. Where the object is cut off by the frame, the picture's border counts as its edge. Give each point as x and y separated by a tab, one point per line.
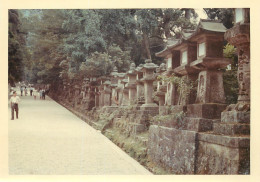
152	109
109	109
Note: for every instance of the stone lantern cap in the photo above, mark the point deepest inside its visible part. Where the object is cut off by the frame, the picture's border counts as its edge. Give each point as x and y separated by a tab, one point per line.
113	85
204	25
130	85
184	70
162	68
132	70
107	82
166	50
121	75
149	65
210	63
124	81
138	69
211	25
114	72
239	34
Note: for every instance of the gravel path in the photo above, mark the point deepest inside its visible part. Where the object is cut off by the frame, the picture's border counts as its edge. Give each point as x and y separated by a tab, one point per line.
48	139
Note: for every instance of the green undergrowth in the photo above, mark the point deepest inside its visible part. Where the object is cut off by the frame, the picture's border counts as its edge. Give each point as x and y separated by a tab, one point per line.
134	148
178	117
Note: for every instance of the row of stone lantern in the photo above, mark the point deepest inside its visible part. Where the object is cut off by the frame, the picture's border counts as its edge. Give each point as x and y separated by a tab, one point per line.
198	55
130	88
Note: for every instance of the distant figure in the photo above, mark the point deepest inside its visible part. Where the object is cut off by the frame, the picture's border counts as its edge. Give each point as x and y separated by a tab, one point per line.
21	91
14	104
34	95
47	91
31	90
25	91
40	93
43	94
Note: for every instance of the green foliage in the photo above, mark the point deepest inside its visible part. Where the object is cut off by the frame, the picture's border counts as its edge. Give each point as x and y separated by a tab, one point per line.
225	15
17	52
75	35
230	76
175	117
184	85
229	51
84	34
44	41
120	58
97	64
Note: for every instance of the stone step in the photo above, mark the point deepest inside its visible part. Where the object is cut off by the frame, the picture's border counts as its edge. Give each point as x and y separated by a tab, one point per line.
231	129
207	111
198	124
235	116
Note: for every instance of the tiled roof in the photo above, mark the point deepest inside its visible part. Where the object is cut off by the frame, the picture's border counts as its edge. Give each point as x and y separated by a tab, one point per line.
208	25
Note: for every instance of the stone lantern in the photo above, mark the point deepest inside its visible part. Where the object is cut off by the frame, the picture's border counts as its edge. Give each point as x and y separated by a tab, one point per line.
131	85
64	84
148	79
186	51
172	57
77	90
114	83
239	36
161	87
235	120
119	88
107	93
210	37
91	102
76	95
242	15
101	90
140	85
69	92
125	100
96	97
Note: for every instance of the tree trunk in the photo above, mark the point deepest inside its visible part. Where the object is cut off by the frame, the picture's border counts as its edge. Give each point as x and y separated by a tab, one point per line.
187	13
147	46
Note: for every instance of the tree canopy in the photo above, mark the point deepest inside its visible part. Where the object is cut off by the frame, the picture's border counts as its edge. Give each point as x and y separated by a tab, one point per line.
90	41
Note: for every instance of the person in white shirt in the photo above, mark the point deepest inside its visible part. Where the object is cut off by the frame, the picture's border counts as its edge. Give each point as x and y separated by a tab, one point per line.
14	104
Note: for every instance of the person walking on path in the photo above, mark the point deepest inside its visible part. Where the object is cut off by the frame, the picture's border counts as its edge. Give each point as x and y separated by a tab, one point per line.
14	104
34	95
40	93
31	90
25	91
21	89
43	94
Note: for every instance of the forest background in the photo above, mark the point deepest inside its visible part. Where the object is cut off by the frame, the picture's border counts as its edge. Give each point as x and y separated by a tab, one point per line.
44	46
